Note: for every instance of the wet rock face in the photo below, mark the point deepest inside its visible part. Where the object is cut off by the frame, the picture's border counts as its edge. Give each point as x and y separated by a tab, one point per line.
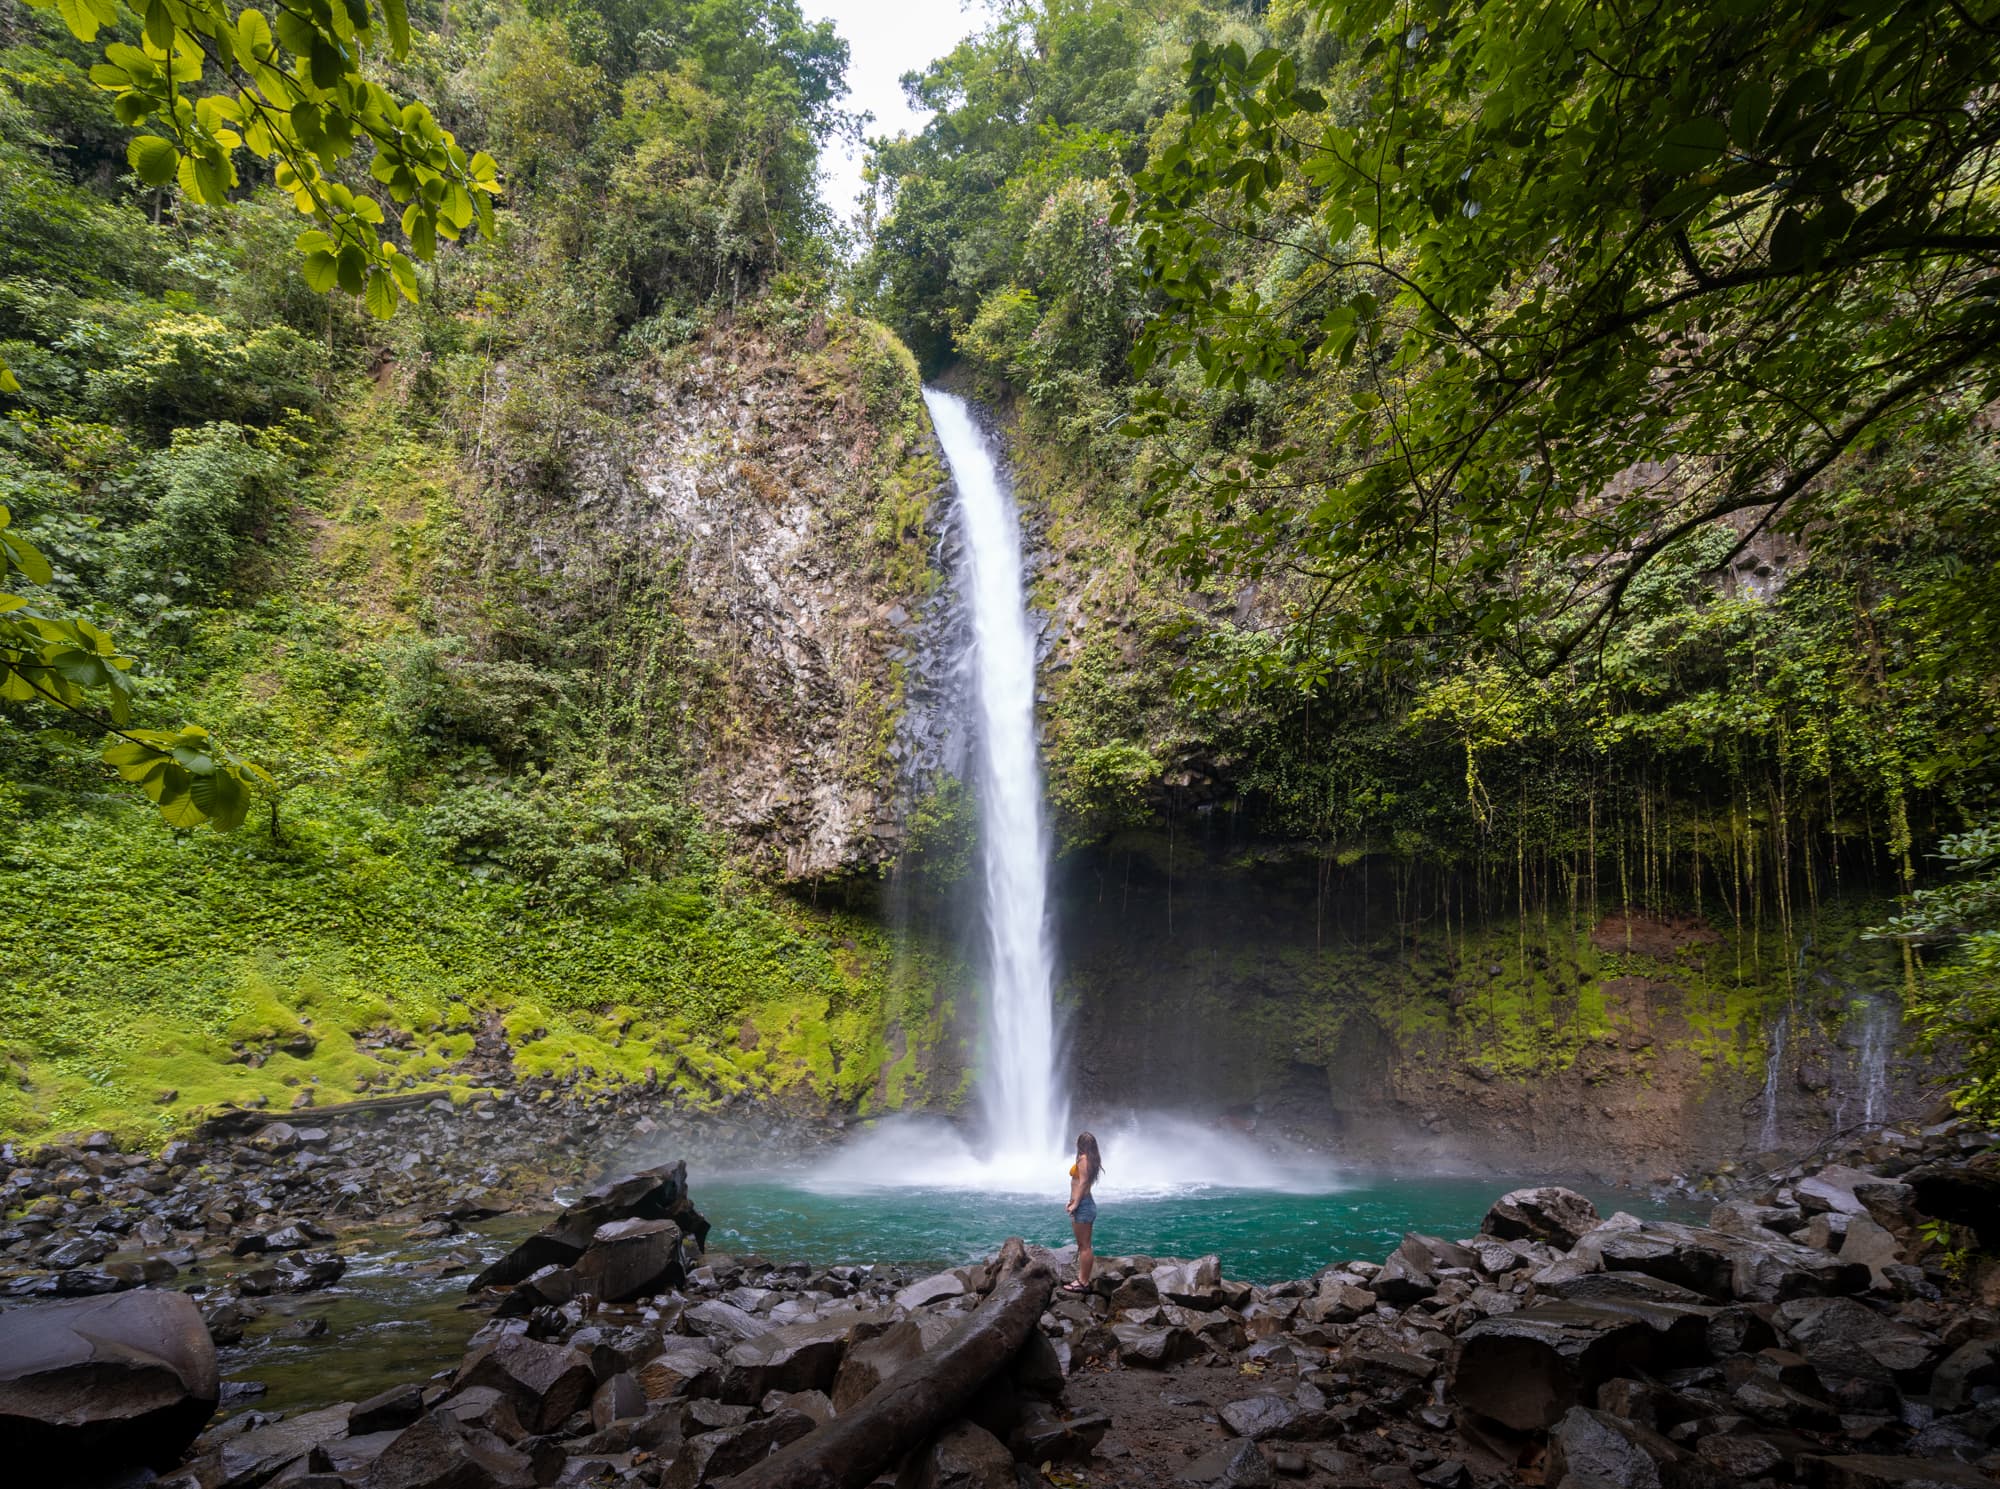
103	1383
766	492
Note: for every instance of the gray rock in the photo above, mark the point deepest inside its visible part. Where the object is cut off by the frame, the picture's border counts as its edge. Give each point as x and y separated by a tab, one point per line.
631	1259
1410	1274
867	1364
1606	1452
1721	1265
251	1458
1971	1370
1196	1284
685	1367
1259	1417
1526	1369
1148	1347
1548	1213
711	1456
439	1452
723	1322
392	1410
932	1290
1046	1435
1873	1247
794	1357
1232	1465
963	1456
544	1383
103	1384
1869	1471
1832	1189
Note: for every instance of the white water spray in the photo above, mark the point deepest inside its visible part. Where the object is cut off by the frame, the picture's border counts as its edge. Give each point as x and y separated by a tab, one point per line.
1021	1087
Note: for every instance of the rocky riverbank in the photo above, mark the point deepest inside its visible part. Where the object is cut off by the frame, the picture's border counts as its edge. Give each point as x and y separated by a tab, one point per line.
1835	1324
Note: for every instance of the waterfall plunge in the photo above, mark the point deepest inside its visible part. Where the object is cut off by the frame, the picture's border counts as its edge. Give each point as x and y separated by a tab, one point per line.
1027	1139
1021	1087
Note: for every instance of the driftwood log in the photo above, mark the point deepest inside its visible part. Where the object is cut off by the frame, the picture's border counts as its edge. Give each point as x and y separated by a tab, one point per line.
922	1398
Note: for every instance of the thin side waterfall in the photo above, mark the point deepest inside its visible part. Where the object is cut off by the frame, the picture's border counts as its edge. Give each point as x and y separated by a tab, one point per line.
1871	1060
1767	1135
1021	1087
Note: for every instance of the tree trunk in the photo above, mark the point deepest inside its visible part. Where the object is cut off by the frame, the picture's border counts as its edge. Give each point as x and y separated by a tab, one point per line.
922	1398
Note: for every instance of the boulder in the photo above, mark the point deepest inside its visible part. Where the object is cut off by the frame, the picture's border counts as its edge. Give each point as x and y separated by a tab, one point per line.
963	1456
250	1458
544	1383
619	1399
1607	1452
867	1364
1963	1193
1231	1465
1259	1417
1851	1346
1339	1302
794	1357
686	1367
1045	1435
440	1452
392	1410
1969	1373
711	1456
1723	1265
1740	1458
932	1290
103	1384
1526	1369
1832	1190
1150	1347
725	1323
647	1194
1869	1471
1873	1247
630	1259
1410	1274
1196	1284
1547	1213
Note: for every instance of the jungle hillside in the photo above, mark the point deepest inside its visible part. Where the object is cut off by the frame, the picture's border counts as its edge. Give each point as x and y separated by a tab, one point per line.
1511	499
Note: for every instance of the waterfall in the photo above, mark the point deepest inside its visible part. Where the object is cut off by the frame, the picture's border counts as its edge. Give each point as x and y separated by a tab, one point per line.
1767	1137
1020	1086
1020	1082
1871	1060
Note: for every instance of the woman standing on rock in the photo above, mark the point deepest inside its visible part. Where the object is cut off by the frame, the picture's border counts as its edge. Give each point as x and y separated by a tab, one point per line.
1082	1208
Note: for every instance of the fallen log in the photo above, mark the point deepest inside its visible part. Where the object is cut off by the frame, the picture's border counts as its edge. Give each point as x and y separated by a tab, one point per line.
923	1397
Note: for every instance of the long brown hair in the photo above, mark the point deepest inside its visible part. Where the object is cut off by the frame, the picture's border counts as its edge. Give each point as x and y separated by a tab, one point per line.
1086	1147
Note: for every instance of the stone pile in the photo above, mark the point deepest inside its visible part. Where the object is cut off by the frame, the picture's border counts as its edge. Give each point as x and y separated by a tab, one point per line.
683	1386
1831	1327
86	1219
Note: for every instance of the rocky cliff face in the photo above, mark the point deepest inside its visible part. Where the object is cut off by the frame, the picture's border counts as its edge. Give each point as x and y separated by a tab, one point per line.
784	488
1272	998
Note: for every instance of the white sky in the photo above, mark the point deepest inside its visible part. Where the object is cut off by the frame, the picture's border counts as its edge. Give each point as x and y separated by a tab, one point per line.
885	39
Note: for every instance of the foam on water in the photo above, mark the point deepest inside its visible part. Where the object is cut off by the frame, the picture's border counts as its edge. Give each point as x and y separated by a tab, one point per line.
1148	1154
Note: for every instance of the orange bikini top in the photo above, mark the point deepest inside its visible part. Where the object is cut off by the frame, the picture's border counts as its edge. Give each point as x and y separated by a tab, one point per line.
1072	1171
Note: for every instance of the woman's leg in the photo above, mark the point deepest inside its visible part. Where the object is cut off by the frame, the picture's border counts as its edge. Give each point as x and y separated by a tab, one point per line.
1085	1258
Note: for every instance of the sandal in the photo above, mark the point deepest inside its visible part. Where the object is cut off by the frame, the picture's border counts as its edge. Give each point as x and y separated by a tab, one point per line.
1074	1287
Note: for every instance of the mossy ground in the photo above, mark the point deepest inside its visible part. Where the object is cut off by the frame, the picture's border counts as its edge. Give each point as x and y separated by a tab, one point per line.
135	959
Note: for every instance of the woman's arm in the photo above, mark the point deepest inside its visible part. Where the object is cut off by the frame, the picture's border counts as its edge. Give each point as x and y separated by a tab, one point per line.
1076	1186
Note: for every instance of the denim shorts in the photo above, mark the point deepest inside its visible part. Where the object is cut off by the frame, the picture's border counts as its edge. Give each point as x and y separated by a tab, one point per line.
1085	1212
